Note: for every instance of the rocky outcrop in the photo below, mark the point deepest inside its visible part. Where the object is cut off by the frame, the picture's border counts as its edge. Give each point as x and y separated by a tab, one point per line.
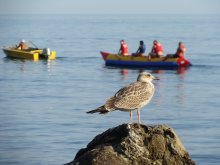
134	144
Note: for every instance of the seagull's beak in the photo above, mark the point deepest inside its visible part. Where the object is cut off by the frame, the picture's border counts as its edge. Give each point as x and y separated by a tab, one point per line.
156	78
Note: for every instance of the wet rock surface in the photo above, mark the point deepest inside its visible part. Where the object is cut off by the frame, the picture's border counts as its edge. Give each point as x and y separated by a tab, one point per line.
134	144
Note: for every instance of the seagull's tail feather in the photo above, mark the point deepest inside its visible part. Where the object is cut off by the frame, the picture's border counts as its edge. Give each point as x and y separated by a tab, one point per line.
108	107
100	110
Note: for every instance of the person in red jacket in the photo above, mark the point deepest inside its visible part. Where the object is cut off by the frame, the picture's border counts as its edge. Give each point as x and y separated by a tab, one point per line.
156	51
180	52
123	49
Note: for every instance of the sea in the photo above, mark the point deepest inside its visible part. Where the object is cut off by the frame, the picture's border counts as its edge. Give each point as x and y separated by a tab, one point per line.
43	104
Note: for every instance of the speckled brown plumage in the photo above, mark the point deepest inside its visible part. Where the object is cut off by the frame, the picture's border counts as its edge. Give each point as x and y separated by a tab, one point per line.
131	97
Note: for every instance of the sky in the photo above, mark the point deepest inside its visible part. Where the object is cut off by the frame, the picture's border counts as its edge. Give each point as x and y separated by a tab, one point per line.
109	6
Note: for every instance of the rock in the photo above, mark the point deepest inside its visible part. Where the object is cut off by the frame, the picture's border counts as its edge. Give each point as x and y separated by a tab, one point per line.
134	144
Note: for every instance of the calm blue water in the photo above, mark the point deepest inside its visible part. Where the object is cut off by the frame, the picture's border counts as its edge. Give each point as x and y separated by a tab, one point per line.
43	104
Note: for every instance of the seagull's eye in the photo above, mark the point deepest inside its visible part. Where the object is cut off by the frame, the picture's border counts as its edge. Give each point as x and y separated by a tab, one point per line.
148	75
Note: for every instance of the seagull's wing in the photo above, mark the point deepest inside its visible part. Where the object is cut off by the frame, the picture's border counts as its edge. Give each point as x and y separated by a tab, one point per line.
132	96
109	105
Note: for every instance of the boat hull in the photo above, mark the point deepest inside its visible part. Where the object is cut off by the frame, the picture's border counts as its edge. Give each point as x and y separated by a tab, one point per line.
31	54
142	62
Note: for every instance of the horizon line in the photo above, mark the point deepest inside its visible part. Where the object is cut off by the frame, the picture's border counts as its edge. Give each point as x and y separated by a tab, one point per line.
109	13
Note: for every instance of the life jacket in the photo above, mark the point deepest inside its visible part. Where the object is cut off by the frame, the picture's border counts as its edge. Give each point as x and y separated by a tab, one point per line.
181	51
158	48
124	48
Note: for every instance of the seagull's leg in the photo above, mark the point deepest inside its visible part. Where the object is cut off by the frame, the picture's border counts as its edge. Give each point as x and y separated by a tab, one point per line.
139	116
130	116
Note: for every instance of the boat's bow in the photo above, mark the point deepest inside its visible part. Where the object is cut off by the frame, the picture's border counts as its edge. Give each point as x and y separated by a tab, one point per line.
104	55
17	53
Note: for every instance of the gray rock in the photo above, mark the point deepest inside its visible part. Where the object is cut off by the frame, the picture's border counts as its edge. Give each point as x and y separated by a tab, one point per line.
134	144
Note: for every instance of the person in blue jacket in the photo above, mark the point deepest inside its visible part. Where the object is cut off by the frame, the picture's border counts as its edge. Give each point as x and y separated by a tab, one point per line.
141	49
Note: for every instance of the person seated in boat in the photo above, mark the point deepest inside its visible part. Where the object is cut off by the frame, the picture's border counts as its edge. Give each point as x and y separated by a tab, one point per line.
156	51
123	48
22	45
180	52
141	50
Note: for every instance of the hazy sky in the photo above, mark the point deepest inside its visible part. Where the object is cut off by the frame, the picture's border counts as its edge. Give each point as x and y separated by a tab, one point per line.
111	6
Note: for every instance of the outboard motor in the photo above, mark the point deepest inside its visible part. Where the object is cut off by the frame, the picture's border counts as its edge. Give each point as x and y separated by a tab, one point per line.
46	51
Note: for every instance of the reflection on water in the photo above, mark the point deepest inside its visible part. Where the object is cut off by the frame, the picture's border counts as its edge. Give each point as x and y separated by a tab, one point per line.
179	70
25	65
182	70
157	71
50	64
124	73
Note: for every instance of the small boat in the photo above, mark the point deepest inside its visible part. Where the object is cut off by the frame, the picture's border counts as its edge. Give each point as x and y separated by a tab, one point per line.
31	53
143	61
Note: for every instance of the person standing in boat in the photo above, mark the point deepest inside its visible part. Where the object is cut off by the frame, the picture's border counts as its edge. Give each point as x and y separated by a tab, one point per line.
156	51
180	52
22	45
123	49
141	50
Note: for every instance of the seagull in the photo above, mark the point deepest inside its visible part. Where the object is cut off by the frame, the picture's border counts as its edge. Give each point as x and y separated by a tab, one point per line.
131	97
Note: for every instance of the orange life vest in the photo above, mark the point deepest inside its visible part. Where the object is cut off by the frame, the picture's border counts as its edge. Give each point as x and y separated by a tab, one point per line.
124	49
158	48
181	51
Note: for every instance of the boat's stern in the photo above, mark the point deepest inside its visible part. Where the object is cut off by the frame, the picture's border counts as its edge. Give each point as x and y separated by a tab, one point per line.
182	62
47	54
52	55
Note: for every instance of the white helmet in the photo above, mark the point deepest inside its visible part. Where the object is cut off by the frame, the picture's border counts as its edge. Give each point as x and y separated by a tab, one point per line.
23	40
